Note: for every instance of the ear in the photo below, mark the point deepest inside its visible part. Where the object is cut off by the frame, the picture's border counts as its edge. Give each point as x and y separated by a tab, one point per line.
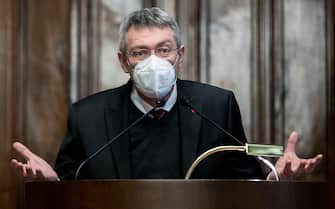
123	62
181	54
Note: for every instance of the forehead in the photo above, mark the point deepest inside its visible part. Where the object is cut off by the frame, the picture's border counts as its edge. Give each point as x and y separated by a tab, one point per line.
148	36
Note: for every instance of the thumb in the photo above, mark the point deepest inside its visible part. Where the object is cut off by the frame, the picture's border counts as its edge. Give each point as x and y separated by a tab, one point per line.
291	143
22	150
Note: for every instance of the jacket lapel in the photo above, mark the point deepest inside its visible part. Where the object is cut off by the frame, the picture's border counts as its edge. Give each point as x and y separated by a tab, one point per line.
190	124
116	118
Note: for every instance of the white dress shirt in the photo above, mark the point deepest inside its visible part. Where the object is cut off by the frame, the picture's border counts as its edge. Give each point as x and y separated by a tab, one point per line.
144	107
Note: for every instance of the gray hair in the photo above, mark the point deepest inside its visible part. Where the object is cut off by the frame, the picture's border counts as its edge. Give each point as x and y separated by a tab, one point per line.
148	17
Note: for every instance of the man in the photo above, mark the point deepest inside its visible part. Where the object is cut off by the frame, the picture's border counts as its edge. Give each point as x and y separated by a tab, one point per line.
162	145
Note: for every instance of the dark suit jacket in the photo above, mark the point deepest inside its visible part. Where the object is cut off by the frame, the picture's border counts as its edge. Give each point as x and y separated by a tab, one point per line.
97	118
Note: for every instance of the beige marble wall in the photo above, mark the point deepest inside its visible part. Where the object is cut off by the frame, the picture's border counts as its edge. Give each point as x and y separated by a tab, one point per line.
8	30
305	66
113	11
298	70
34	94
46	92
230	51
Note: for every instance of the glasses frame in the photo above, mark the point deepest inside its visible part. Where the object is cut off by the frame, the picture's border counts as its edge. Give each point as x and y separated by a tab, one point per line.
131	53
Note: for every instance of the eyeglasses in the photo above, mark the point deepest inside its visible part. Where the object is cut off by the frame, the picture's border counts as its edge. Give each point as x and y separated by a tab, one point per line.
143	53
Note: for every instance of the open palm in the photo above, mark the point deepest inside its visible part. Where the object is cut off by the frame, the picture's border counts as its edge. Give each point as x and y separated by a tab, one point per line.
34	167
290	166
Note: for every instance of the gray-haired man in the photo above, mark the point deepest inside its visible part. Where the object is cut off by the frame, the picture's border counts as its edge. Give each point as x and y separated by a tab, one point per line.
158	147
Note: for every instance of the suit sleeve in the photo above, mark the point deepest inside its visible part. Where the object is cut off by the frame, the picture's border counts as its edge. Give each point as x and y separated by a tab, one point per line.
234	119
243	166
69	157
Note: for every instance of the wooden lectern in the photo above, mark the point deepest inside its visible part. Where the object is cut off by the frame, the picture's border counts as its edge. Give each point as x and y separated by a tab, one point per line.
175	194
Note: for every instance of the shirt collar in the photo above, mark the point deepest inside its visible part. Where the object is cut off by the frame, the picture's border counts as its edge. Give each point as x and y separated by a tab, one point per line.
145	107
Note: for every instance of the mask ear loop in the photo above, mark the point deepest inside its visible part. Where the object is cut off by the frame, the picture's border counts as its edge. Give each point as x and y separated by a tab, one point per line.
174	65
129	65
175	62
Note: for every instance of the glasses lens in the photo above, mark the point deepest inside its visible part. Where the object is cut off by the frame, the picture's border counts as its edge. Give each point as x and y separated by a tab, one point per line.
140	54
163	51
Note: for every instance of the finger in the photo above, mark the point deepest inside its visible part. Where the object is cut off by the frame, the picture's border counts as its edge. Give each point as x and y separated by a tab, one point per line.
32	169
31	173
17	167
318	158
24	171
286	170
291	143
299	169
313	163
21	169
280	164
15	164
288	167
22	150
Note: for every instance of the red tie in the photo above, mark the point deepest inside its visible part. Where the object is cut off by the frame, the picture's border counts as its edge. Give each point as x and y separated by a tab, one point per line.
159	114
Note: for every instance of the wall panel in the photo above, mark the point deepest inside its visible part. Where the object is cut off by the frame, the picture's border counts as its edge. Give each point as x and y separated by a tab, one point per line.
8	103
113	12
34	67
47	75
230	51
305	74
272	54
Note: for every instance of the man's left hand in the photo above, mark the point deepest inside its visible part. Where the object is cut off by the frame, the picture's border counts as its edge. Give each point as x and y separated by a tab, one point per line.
290	166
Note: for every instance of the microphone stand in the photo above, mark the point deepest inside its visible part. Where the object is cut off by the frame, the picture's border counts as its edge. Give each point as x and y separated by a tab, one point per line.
257	150
103	147
245	149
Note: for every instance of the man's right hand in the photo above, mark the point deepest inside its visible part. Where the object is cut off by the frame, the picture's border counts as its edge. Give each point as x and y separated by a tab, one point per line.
35	168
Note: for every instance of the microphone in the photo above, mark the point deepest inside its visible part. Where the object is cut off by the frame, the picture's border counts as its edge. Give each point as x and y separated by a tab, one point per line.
188	103
159	103
253	149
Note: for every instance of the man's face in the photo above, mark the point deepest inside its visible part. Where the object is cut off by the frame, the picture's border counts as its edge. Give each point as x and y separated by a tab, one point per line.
152	40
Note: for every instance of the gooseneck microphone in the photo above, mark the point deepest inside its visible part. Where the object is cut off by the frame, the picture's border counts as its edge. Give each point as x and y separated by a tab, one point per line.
185	101
188	103
159	103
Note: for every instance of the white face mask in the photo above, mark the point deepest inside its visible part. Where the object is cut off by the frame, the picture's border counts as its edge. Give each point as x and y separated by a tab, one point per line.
154	77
